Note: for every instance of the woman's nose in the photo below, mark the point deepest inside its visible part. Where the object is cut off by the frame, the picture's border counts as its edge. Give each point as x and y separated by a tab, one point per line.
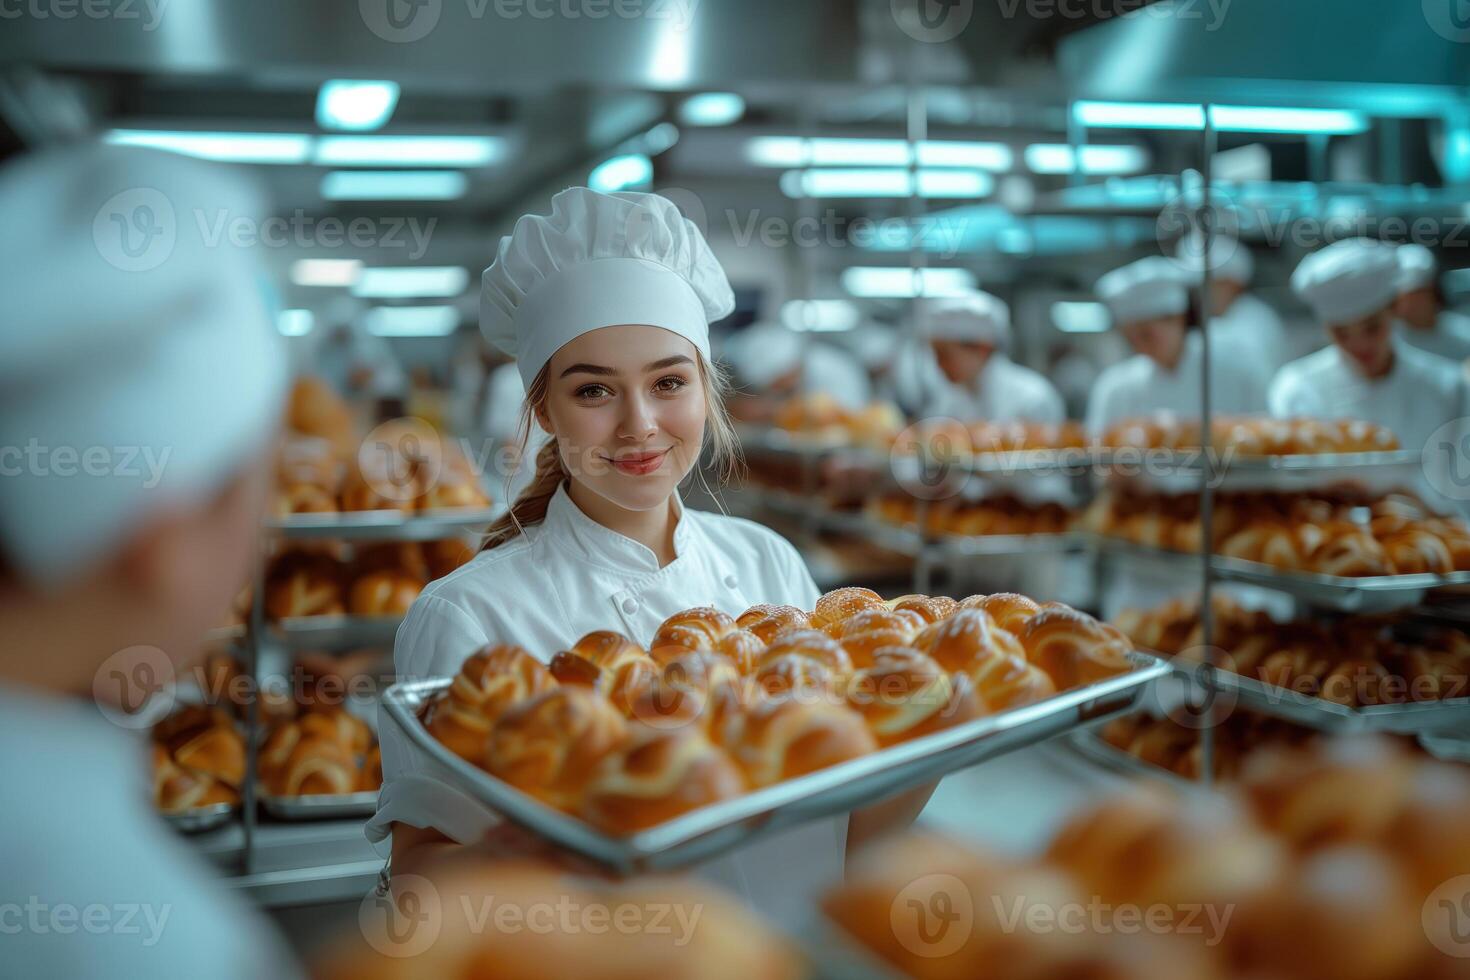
638	423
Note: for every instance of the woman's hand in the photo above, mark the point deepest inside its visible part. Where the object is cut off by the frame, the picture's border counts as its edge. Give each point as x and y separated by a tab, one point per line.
506	841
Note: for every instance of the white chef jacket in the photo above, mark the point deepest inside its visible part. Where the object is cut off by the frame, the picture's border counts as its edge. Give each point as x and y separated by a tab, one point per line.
1251	331
92	882
1003	391
1140	386
1450	337
568	577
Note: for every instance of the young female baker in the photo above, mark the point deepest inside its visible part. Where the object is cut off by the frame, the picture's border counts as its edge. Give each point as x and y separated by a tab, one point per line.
606	305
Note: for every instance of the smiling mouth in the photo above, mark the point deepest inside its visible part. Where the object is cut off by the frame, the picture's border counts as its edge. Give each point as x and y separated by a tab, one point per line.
641	459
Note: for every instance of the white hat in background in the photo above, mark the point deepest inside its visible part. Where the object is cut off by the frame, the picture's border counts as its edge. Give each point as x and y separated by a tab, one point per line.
1228	258
762	352
1151	287
977	317
140	366
1348	280
599	260
1417	268
870	342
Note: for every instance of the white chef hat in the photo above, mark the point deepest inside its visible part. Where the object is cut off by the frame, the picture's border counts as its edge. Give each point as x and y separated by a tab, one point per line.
1151	287
975	316
762	352
1417	267
139	364
599	260
1347	280
1228	257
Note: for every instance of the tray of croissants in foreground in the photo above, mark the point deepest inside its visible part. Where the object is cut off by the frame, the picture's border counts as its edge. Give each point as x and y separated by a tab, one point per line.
1339	860
725	728
1346	674
1343	547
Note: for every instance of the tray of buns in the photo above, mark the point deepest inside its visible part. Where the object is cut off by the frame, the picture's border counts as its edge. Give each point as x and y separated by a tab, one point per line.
382	525
196	820
724	730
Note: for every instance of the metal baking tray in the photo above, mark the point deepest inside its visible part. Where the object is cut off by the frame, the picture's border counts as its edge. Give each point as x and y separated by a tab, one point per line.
1094	748
383	525
715	829
201	818
1072	461
804	445
321	806
1414	718
1181	471
967	546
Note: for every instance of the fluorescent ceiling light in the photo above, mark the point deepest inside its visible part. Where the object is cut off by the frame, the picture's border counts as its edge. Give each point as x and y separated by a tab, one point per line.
412	321
859	182
904	282
228	147
394	185
355	105
295	323
671	55
1227	118
793	151
1059	158
408	151
325	272
820	314
621	172
1080	317
711	109
413	281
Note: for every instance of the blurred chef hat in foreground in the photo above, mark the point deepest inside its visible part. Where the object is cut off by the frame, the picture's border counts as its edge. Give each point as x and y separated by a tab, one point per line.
976	317
1143	290
1227	258
599	260
1348	280
140	365
1417	267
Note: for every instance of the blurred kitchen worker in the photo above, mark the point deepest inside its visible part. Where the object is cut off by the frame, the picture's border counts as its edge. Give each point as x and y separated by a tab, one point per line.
1420	308
358	362
773	363
1149	301
970	375
1242	325
874	345
1367	372
141	379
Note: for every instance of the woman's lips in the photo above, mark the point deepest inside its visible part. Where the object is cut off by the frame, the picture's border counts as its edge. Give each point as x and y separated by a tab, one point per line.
639	464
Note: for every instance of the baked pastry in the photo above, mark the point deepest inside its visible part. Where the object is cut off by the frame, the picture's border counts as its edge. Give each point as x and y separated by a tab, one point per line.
383	594
551	745
961	642
339	726
767	621
188	721
812	644
176	789
1003	681
903	621
314	765
304	498
792	673
932	608
1359	681
609	663
743	648
697	687
860	647
215	751
1010	611
488	683
659	774
1349	551
453	489
1074	648
782	738
905	695
1414	552
839	604
301	584
701	628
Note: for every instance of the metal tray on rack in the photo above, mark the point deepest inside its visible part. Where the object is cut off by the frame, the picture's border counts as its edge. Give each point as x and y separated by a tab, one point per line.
322	806
715	829
977	545
1182	471
201	818
1094	748
1073	461
382	525
806	445
334	632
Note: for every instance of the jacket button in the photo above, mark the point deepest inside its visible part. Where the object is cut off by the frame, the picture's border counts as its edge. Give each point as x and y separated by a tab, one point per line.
730	581
630	606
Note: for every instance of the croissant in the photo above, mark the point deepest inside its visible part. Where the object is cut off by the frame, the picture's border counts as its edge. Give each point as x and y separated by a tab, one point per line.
1074	648
701	628
905	694
217	752
176	789
304	498
811	644
453	489
1359	681
658	775
931	608
1297	668
340	726
1414	552
404	557
1349	551
1267	542
767	621
187	722
962	642
1431	675
782	738
839	604
551	745
308	587
385	593
315	765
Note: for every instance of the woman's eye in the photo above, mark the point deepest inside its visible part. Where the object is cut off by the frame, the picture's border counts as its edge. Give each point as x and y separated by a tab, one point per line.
593	391
672	383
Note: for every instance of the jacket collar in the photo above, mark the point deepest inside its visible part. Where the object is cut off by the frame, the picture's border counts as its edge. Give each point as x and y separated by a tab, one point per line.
604	546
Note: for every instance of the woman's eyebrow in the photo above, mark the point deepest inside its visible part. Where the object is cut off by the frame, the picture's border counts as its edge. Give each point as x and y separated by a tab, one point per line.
601	371
668	362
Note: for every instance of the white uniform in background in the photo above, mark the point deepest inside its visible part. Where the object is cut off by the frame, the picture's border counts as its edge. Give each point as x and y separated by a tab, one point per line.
1249	329
1450	337
183	354
763	352
350	347
505	395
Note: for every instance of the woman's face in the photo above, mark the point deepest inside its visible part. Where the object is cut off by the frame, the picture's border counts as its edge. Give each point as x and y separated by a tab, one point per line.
627	407
962	360
1160	339
1368	343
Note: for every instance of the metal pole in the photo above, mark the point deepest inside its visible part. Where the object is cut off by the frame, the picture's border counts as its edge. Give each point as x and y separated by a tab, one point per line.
1207	471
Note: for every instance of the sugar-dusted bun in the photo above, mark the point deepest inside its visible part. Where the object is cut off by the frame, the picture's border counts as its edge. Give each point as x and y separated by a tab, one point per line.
551	745
700	628
1004	681
961	642
1074	648
905	621
905	695
1010	610
488	683
932	607
609	663
1414	552
659	774
839	604
743	648
1348	550
385	593
811	644
791	673
782	738
1268	542
769	621
215	751
862	646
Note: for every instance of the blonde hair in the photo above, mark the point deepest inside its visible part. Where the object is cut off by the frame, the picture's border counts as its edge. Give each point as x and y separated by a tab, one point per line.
529	508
